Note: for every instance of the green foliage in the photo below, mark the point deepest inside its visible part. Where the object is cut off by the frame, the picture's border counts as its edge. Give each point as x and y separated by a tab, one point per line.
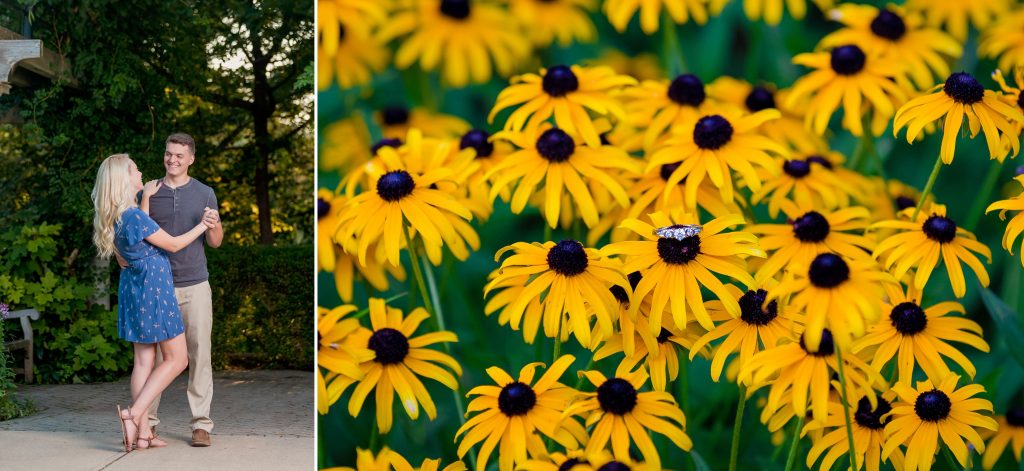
262	310
75	339
10	408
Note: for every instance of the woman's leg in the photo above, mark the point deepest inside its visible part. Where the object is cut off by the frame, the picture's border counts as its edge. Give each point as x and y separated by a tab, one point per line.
175	361
145	358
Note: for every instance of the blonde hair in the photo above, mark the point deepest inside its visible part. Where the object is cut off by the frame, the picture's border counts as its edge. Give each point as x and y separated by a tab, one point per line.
111	196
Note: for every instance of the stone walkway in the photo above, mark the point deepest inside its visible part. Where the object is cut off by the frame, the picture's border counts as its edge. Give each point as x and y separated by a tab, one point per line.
263	421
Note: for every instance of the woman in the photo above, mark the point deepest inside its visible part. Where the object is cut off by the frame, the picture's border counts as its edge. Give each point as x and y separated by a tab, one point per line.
147	311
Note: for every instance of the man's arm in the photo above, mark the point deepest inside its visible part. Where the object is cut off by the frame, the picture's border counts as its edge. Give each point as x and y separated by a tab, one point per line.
214	232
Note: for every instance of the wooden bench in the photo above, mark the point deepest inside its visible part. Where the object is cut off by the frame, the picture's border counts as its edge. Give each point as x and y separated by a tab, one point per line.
25	343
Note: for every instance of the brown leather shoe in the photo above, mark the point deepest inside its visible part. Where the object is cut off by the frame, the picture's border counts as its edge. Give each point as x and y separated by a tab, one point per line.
200	437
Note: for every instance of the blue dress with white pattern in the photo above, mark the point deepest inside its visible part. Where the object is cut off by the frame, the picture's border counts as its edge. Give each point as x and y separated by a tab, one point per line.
147	310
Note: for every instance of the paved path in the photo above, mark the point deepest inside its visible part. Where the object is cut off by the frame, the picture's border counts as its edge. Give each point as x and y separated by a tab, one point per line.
263	421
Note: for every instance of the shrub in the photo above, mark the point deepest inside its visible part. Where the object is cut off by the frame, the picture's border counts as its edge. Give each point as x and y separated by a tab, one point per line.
263	306
10	408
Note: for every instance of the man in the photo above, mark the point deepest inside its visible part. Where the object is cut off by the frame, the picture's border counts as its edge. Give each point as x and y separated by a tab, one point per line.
180	204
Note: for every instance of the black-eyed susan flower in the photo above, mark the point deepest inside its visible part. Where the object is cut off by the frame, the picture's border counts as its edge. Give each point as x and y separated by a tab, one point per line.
808	233
511	414
918	335
659	105
462	37
622	414
646	196
849	77
564	21
578	460
920	245
788	130
396	121
346	144
759	323
642	66
405	197
567	93
398	359
486	154
620	12
867	418
771	10
1010	431
716	146
333	355
328	208
388	459
838	293
675	270
954	15
566	168
568	279
507	292
349	53
900	39
1013	97
806	182
1004	40
659	354
1016	224
924	415
336	256
962	96
801	375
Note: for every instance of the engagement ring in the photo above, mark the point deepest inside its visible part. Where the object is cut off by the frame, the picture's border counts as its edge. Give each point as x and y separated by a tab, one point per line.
678	231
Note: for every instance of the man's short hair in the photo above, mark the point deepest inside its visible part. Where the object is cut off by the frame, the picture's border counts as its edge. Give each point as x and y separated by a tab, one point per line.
182	139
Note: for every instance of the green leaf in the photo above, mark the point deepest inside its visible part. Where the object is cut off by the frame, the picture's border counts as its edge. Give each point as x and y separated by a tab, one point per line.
698	461
1008	322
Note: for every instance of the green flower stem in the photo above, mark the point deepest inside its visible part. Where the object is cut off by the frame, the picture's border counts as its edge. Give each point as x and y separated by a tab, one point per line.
557	348
682	385
928	186
547	231
846	408
734	452
671	55
590	364
432	302
366	310
321	450
866	147
949	459
374	438
981	199
794	444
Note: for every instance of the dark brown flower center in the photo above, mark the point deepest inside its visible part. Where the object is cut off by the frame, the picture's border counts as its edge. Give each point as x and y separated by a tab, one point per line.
932	406
888	25
386	142
712	132
568	258
555	145
478	139
322	208
797	168
677	251
872	418
847	60
394	115
828	270
1015	417
617	396
908	318
390	345
760	98
964	88
939	228
811	227
559	81
825	348
516	399
620	294
754	311
687	90
455	9
395	185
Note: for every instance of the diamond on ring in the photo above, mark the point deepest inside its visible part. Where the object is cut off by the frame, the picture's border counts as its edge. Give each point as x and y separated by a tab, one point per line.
678	231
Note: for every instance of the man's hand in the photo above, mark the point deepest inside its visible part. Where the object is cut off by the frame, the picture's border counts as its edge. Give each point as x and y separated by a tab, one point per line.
151	188
211	218
121	262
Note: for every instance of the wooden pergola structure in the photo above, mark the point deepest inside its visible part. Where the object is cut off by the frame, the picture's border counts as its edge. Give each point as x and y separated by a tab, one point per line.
26	62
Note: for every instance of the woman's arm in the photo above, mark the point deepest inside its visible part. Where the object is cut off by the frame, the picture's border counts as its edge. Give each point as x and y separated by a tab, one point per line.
172	244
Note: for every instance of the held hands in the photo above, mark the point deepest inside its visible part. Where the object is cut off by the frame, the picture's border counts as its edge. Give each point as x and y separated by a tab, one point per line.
210	218
151	188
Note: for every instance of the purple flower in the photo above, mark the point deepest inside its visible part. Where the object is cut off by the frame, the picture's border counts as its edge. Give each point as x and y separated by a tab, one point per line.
5	309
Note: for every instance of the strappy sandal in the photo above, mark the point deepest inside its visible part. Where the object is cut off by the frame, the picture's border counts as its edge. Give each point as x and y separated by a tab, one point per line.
128	443
153	441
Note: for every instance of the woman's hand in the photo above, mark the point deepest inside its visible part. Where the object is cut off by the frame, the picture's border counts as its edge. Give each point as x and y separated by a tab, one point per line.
151	188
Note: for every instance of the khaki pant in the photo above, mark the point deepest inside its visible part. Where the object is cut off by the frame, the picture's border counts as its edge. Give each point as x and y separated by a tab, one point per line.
196	306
